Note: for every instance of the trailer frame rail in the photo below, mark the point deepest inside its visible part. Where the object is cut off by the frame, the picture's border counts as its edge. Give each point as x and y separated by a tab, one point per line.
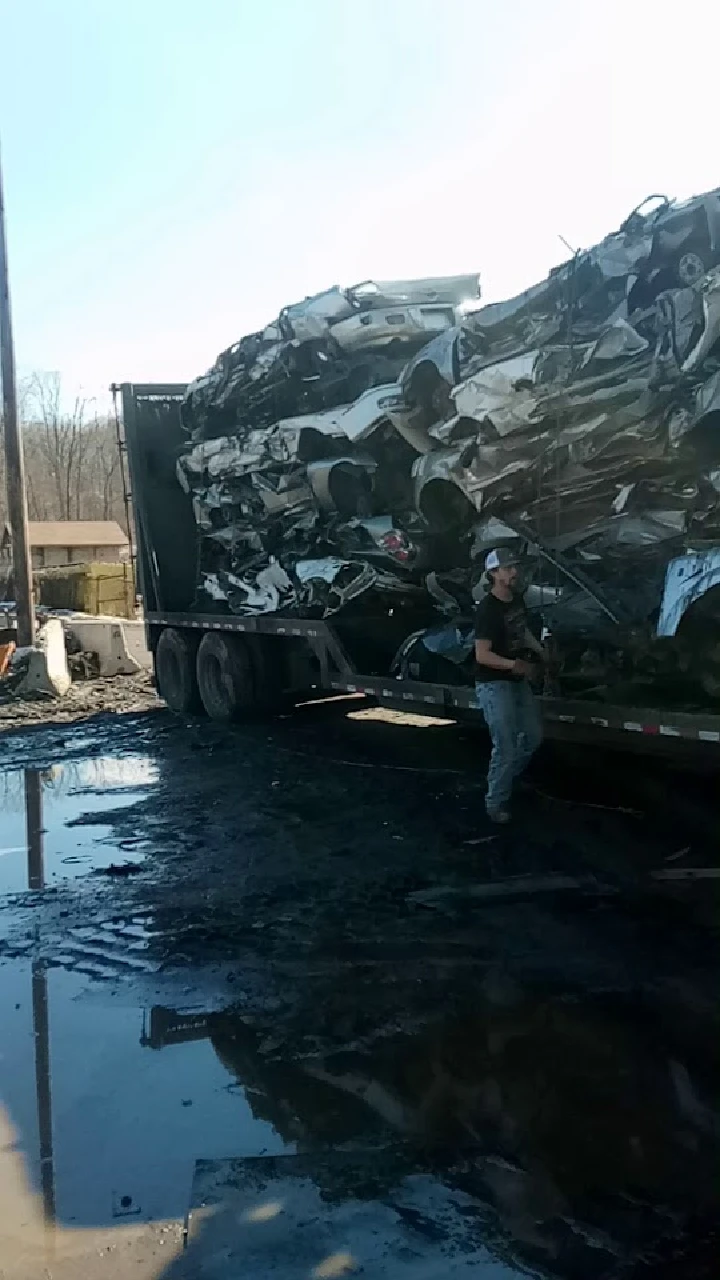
338	675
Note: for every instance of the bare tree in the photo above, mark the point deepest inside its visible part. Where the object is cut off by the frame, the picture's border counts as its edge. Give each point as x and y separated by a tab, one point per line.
72	465
101	477
60	436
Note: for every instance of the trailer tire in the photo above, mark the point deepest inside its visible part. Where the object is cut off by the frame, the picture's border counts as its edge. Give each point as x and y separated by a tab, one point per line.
699	635
226	677
175	677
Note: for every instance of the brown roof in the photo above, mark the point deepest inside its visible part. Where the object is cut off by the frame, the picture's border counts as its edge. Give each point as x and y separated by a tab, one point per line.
76	533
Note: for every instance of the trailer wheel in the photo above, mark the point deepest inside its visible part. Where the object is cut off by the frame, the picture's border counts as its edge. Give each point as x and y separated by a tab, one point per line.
699	635
710	664
175	671
226	677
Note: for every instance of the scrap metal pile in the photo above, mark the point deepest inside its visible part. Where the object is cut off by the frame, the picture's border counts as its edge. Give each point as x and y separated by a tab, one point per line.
374	442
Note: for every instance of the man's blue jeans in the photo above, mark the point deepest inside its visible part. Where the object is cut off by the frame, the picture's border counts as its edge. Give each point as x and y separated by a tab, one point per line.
513	719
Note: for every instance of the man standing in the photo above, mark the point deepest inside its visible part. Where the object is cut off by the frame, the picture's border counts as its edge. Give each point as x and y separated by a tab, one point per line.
504	647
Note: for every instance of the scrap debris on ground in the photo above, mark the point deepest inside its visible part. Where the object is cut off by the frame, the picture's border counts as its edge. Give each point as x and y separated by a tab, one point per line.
363	452
34	677
123	694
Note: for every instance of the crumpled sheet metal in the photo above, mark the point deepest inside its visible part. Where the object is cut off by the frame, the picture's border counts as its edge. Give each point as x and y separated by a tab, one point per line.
709	293
333	583
373	329
584	408
473	470
342	484
616	342
325	351
266	592
357	421
503	393
428	378
311	318
457	291
688	578
707	397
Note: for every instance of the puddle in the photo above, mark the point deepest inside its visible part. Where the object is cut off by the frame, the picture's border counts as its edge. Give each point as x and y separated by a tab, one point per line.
571	1135
51	825
560	1135
105	1126
578	1133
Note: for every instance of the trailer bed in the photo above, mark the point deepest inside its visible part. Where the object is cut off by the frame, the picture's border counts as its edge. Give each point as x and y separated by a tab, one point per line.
564	718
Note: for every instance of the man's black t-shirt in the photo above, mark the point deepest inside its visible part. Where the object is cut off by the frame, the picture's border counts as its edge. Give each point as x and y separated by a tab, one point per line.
503	623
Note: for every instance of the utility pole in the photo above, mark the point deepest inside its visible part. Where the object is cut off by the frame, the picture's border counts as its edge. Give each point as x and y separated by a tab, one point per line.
14	462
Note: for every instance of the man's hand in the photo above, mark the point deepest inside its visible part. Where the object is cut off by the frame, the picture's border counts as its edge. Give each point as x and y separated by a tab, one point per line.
523	668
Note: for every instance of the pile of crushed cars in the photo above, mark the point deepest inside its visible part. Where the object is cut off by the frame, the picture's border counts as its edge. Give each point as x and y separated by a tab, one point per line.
372	444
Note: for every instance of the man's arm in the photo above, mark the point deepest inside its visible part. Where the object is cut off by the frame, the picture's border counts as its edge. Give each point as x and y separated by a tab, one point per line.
486	657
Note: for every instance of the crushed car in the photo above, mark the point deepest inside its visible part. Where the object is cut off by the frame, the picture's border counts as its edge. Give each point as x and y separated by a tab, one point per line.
359	455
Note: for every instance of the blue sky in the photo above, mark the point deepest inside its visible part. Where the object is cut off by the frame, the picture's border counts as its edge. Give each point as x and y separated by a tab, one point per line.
176	172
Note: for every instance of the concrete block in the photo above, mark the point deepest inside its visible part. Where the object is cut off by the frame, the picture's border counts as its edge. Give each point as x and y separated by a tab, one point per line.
118	642
47	672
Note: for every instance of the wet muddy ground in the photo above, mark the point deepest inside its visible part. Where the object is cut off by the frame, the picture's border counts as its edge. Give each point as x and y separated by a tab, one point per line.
276	1000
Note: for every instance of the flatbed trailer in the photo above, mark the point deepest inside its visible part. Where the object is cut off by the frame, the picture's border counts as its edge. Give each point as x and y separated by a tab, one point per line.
294	658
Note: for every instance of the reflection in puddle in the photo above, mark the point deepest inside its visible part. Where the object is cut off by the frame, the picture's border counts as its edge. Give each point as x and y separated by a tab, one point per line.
571	1123
107	1127
545	1135
561	1135
53	814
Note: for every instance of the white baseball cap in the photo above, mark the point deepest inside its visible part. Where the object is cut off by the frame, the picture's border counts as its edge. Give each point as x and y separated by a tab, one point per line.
501	558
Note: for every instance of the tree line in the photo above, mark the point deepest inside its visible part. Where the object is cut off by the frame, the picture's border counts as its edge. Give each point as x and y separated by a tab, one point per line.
72	462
